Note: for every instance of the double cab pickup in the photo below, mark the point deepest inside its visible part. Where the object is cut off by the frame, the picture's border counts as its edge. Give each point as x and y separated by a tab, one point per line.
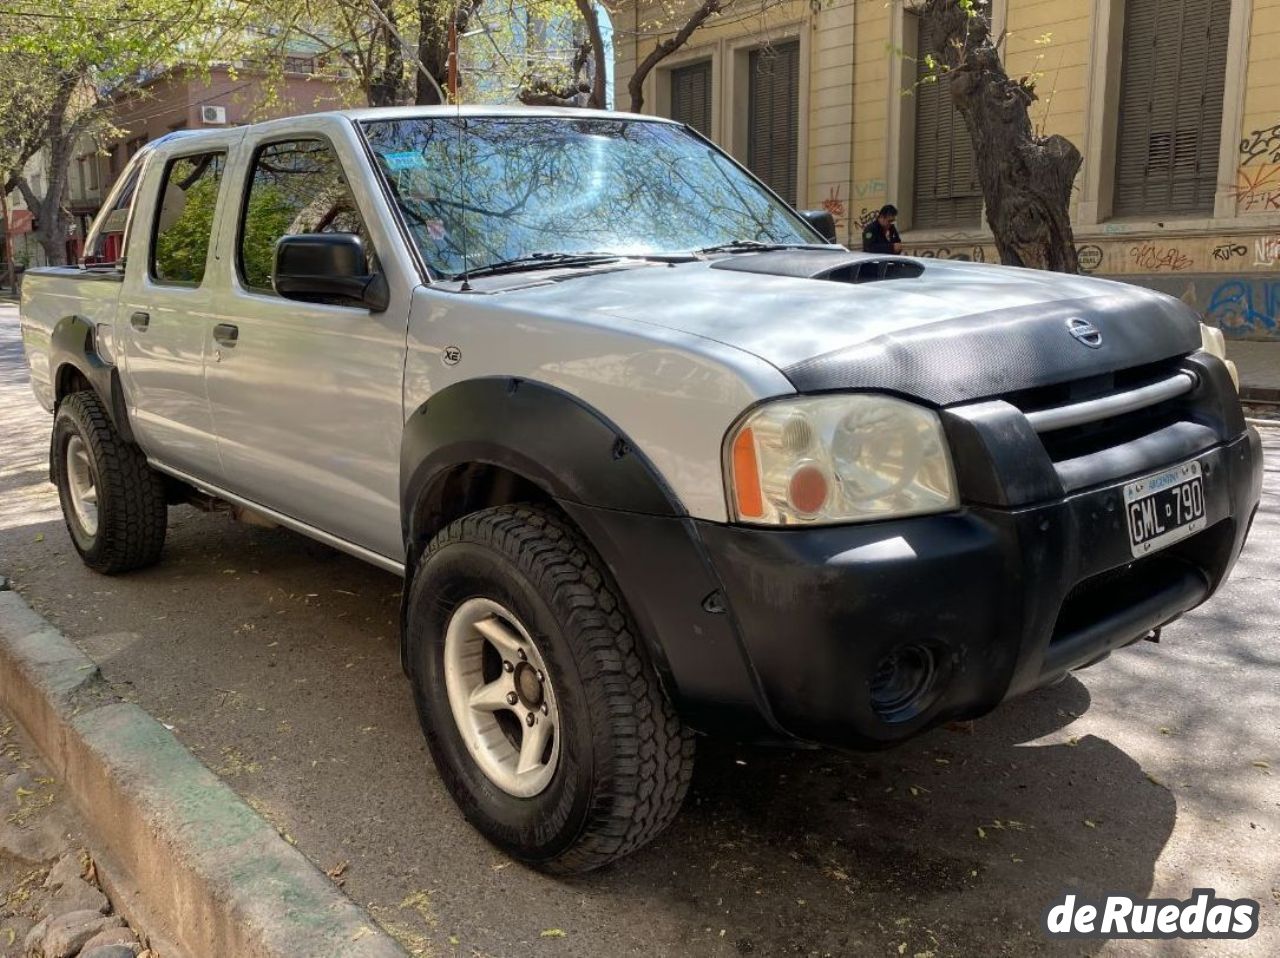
654	456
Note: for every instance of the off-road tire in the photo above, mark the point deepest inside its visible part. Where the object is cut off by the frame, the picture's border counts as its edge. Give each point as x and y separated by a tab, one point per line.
132	511
625	759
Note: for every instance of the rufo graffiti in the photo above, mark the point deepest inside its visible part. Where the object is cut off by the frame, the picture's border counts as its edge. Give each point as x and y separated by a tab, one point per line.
1148	256
1227	250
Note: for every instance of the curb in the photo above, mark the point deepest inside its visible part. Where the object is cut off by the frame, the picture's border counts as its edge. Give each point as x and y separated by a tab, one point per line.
216	876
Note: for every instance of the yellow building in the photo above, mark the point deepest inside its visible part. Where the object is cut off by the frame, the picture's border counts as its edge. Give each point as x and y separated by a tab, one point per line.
1174	104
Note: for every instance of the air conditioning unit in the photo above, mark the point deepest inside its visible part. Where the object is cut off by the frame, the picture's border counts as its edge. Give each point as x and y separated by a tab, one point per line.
213	115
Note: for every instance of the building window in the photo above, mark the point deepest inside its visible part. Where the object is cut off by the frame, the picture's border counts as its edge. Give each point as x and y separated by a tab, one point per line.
946	192
773	116
691	96
1171	93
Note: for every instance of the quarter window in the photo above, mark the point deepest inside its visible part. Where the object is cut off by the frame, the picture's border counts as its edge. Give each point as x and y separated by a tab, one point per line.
295	187
184	218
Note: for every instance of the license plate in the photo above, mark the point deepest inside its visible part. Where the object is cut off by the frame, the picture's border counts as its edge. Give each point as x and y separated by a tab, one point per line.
1164	508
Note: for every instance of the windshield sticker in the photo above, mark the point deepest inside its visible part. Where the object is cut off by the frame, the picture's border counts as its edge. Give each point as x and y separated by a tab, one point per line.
408	160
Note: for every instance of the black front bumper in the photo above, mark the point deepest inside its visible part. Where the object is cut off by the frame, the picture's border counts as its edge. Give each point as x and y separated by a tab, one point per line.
771	633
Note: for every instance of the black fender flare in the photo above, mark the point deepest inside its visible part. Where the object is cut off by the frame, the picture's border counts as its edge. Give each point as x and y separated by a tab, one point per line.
569	450
73	344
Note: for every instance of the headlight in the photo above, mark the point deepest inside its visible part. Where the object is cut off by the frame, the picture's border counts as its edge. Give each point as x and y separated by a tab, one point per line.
829	459
1215	344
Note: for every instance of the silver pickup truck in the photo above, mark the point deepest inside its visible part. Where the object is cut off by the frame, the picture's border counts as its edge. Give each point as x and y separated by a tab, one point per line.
652	454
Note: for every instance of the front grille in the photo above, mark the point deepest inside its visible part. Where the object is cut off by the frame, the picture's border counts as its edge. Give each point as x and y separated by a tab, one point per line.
1073	442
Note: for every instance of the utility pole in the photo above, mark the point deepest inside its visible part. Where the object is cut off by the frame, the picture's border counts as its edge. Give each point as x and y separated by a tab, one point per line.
453	57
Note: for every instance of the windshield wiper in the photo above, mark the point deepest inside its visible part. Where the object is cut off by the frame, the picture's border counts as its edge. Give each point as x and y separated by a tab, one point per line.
749	246
533	261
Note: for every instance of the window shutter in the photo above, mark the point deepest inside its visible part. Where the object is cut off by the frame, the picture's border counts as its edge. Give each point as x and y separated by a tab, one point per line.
773	117
946	192
1171	90
691	96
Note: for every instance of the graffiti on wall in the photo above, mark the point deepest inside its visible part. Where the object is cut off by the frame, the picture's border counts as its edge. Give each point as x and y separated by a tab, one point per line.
868	188
1266	251
834	205
1225	251
1257	188
1261	143
974	255
1152	258
1243	307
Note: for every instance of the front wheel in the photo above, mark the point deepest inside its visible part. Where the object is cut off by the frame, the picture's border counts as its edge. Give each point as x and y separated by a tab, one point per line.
539	704
113	502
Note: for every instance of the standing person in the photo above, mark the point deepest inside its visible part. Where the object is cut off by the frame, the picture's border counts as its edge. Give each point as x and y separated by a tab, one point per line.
880	235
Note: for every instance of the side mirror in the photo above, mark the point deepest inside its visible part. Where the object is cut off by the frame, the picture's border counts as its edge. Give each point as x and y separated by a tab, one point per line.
328	268
823	222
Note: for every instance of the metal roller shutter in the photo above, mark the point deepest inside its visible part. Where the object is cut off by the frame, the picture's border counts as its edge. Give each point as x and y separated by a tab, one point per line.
773	116
691	96
1171	90
946	179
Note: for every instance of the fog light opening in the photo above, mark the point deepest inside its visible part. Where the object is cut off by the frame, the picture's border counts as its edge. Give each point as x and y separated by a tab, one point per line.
905	683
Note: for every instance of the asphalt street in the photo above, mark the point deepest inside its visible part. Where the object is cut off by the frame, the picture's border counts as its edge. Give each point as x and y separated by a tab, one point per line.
274	658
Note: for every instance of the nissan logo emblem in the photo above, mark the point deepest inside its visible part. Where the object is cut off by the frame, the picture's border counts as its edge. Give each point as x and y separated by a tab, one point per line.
1085	332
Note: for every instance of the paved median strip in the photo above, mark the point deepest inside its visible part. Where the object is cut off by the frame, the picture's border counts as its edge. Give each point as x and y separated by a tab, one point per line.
215	876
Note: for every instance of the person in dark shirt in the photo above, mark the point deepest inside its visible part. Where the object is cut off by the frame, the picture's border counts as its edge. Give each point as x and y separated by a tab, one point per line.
880	235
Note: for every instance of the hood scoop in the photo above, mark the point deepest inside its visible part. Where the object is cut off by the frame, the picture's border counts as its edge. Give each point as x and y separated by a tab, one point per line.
836	266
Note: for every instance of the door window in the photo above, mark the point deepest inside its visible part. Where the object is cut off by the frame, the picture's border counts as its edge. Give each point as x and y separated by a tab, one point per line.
295	187
184	218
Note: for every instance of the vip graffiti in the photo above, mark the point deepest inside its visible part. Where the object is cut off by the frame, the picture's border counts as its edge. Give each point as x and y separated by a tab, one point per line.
869	188
1227	250
1262	143
1148	256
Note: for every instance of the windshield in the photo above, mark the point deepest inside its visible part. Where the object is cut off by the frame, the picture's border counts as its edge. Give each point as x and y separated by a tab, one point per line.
497	189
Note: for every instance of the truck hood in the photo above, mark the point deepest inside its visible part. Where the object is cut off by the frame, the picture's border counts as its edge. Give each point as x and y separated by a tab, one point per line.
938	330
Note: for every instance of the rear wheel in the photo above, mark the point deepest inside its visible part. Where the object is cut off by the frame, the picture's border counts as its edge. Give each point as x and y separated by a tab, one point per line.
112	501
539	704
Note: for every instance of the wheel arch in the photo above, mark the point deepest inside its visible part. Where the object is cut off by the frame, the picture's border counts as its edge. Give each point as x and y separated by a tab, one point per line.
76	363
500	440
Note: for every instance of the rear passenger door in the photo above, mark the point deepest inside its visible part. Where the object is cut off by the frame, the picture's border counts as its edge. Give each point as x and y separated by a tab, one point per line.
165	305
306	397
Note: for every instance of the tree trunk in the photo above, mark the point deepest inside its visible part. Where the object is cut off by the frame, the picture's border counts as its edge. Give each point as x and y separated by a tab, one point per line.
595	99
387	87
664	49
1026	179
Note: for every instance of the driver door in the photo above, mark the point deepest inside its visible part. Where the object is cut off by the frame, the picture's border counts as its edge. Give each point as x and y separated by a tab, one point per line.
306	397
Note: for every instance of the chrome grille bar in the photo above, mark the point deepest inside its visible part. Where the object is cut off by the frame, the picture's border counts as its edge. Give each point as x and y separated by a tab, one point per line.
1117	404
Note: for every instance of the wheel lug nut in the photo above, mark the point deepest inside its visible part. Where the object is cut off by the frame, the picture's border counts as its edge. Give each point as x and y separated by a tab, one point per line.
520	652
545	710
541	677
508	667
529	720
511	698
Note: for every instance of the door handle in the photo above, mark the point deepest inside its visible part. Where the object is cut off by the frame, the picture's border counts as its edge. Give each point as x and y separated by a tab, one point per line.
140	321
226	334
